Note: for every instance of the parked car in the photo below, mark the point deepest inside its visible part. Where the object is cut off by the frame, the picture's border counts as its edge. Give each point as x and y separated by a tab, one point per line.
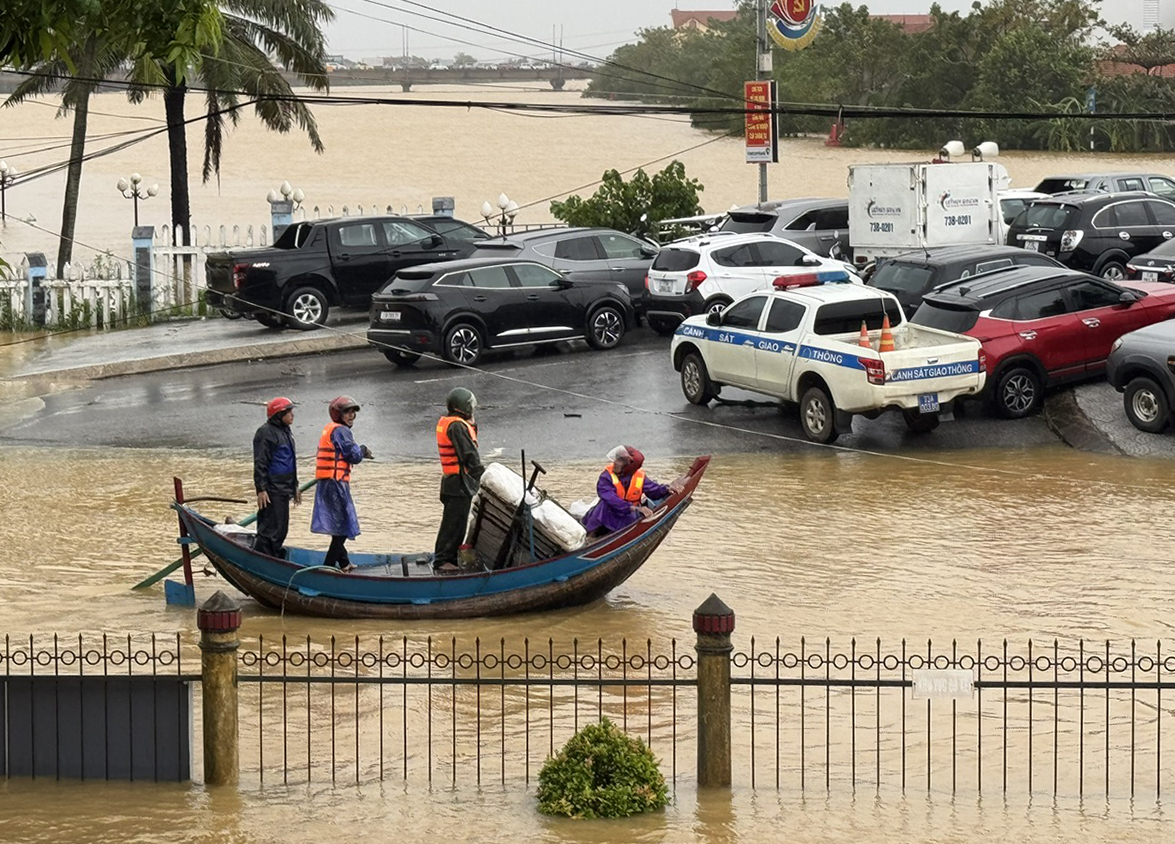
1109	183
1012	202
461	309
704	274
1098	233
1156	265
1042	326
581	254
816	224
317	264
1141	366
914	274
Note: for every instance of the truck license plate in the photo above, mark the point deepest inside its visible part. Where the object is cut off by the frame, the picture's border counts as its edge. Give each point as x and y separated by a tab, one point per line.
1149	276
928	403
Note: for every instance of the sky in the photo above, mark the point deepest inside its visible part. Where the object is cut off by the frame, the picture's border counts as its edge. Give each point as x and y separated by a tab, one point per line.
594	28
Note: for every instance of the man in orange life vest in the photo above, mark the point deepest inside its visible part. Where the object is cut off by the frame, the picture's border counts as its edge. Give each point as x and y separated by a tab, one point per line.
622	488
275	477
334	509
461	474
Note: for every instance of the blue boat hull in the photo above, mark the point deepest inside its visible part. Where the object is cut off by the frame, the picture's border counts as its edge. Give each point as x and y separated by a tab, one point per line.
399	586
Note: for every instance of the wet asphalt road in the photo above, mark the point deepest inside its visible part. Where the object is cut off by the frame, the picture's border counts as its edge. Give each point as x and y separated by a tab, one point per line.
568	403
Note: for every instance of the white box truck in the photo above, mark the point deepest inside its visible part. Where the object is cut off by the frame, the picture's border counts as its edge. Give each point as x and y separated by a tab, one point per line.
895	208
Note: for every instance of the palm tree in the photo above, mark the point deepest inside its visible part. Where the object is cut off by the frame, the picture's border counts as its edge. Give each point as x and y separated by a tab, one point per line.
240	72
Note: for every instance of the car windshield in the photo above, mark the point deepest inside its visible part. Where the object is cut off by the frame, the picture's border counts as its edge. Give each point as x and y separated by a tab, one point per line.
675	260
935	315
1166	249
846	317
407	281
743	222
899	278
1060	184
1048	216
459	230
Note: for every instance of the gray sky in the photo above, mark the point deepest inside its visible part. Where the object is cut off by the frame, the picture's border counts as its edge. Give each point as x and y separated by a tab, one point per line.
374	28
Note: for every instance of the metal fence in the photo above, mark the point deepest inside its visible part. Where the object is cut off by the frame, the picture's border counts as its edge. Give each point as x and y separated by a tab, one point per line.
1072	719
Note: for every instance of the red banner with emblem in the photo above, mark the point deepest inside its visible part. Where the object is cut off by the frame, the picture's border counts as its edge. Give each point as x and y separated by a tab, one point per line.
761	144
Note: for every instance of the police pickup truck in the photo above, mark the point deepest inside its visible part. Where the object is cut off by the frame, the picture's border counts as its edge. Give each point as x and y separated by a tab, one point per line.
801	342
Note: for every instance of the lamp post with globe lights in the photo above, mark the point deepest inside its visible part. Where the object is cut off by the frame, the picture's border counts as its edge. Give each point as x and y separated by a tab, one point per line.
503	218
131	189
282	204
7	177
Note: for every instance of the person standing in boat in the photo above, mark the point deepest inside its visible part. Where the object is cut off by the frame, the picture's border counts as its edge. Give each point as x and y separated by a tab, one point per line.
622	489
461	474
275	477
334	510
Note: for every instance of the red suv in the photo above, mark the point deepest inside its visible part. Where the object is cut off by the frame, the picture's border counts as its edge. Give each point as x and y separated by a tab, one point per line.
1042	326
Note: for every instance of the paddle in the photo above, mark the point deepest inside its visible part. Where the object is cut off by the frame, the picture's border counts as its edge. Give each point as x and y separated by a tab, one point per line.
514	532
168	569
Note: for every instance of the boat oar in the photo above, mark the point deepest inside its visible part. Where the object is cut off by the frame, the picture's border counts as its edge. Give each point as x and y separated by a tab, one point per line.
197	551
514	531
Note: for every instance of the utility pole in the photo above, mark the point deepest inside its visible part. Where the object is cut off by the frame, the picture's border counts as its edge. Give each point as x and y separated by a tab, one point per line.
763	68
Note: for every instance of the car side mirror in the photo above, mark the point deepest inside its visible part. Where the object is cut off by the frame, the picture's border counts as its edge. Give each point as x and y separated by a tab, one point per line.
1129	297
434	241
714	318
648	252
561	283
807	261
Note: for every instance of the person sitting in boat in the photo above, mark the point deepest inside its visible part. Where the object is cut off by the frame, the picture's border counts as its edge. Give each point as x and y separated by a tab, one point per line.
334	509
624	490
275	477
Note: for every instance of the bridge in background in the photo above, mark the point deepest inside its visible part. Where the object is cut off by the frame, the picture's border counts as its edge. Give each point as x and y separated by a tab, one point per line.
556	77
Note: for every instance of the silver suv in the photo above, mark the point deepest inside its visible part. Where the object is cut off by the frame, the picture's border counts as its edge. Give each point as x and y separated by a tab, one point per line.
815	224
1157	183
1141	366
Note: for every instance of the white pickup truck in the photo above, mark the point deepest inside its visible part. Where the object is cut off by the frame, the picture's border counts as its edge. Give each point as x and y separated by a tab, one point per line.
801	344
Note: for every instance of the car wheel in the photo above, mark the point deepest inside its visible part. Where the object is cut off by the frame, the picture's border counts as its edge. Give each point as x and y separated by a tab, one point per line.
463	344
664	327
307	308
716	305
1113	271
695	380
227	314
605	328
1018	393
818	416
1146	405
920	423
269	320
400	357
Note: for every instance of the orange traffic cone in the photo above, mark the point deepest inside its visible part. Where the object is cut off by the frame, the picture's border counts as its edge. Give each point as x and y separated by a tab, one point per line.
864	340
886	344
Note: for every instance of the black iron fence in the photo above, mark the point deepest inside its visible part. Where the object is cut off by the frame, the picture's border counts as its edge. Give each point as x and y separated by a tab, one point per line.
1064	718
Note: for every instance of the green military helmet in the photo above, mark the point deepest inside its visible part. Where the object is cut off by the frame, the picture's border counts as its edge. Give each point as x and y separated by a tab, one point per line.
462	401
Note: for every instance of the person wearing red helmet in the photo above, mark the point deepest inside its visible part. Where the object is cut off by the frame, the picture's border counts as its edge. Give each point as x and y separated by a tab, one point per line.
334	509
624	490
275	477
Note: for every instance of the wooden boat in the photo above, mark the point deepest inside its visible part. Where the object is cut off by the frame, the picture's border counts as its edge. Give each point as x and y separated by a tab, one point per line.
404	586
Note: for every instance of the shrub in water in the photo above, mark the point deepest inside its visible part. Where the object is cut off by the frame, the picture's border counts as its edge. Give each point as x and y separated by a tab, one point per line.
601	773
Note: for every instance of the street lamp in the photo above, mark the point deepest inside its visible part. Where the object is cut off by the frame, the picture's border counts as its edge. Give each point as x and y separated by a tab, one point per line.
7	177
287	193
503	218
132	190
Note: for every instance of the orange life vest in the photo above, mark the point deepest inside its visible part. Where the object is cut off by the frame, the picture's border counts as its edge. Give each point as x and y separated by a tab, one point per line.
330	464
449	463
636	485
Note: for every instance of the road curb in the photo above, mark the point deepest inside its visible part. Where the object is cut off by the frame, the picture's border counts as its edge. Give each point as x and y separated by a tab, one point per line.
209	357
1068	421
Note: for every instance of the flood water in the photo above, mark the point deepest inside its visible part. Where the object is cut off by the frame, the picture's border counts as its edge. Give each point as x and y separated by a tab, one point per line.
1037	543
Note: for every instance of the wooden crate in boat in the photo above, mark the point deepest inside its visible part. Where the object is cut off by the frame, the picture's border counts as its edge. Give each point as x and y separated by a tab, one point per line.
492	516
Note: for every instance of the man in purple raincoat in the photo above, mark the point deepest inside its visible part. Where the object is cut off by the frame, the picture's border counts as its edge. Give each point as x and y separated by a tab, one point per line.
622	489
334	511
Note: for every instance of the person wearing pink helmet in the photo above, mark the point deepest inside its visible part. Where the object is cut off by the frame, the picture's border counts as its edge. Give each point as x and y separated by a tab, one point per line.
275	477
334	509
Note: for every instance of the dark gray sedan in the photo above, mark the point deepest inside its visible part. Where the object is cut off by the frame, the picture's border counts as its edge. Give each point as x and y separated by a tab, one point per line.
1141	366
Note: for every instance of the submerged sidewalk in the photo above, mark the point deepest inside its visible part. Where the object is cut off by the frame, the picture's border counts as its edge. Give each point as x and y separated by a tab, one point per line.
171	345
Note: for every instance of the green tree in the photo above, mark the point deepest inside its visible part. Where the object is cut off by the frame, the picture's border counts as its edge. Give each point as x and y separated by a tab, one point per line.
146	33
239	68
620	205
464	60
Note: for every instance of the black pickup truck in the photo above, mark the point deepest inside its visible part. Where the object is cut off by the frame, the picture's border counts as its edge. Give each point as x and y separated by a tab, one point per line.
318	264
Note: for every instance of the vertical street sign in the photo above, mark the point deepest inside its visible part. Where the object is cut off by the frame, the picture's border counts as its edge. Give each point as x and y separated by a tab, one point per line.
760	122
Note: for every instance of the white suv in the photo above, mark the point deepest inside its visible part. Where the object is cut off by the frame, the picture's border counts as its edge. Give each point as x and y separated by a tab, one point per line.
704	274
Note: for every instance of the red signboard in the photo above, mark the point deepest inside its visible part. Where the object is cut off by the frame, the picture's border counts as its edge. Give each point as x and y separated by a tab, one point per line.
760	122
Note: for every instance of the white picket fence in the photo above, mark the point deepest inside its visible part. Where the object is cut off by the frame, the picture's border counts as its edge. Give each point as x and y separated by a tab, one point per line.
75	298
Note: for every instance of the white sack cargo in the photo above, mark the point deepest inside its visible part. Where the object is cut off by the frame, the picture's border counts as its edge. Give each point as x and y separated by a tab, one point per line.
549	518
